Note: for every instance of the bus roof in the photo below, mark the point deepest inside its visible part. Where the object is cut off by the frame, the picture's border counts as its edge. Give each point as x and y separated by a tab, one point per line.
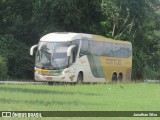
69	36
104	39
61	37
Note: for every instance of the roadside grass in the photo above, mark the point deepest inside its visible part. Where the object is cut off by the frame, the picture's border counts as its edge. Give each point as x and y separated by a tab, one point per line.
86	97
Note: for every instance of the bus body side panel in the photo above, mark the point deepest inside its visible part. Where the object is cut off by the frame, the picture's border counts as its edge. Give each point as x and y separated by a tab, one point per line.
83	64
118	65
105	66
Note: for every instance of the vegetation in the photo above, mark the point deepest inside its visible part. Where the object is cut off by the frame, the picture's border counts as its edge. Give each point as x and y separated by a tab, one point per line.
3	68
97	97
22	24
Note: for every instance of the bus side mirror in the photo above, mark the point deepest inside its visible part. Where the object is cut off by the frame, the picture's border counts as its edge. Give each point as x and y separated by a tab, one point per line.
32	49
69	50
70	54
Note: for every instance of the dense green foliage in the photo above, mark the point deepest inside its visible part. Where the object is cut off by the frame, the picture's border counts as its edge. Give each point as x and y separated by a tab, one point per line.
3	68
23	22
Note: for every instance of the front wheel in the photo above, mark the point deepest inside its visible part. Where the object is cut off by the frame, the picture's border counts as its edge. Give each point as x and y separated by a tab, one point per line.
80	78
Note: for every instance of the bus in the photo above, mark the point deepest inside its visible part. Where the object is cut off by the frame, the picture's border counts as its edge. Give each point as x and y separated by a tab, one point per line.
79	57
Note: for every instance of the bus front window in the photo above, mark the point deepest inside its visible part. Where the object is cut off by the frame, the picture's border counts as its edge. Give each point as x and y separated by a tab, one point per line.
52	55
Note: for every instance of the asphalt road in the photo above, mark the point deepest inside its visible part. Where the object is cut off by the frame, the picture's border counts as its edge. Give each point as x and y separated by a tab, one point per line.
43	83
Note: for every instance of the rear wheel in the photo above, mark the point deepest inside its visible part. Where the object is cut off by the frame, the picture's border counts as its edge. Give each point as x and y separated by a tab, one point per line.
120	77
80	78
50	83
114	78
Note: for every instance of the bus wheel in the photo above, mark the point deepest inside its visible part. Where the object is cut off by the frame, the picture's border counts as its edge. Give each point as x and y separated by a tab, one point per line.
50	83
80	78
120	77
114	78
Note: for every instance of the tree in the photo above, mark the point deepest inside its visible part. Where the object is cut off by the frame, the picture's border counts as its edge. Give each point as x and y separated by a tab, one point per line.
133	21
3	69
22	24
16	54
66	15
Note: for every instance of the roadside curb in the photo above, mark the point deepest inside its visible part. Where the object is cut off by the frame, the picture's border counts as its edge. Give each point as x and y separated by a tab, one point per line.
22	83
152	81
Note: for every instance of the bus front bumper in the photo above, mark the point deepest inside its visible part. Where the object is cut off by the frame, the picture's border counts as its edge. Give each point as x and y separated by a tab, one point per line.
58	78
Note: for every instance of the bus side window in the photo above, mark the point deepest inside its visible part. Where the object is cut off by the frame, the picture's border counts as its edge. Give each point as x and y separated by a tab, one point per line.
75	51
71	59
84	47
74	57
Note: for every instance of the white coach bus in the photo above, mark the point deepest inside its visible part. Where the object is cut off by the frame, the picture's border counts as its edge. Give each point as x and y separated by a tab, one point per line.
78	57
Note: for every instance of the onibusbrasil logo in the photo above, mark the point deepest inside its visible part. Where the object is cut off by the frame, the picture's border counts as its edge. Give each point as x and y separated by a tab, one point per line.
21	114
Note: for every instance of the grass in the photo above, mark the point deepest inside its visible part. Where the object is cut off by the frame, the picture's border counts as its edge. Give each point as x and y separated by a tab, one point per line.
94	97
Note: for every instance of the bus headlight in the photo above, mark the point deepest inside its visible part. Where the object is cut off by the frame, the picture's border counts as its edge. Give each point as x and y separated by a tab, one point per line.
66	71
47	72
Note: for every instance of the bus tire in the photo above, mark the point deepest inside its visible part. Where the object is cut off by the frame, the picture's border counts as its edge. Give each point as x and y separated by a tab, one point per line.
80	78
50	83
114	78
120	77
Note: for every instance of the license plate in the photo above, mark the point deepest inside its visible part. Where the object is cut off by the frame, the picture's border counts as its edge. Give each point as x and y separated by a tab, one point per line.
48	78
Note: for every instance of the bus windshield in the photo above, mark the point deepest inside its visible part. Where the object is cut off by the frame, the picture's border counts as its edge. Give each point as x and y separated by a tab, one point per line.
52	55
